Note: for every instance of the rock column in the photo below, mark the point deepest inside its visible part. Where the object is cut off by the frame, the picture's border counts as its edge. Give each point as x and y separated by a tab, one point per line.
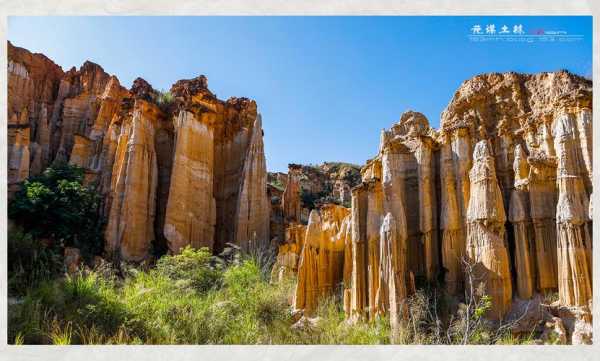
427	199
518	215
130	232
359	296
374	218
252	210
392	289
453	236
291	196
307	289
542	201
191	213
486	242
574	241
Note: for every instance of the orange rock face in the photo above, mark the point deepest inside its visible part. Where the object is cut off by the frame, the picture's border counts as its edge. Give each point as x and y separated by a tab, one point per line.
130	230
33	85
509	144
191	210
291	196
253	206
190	171
321	265
487	249
288	254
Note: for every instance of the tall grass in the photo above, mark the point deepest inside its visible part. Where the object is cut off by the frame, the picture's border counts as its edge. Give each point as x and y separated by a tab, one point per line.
192	299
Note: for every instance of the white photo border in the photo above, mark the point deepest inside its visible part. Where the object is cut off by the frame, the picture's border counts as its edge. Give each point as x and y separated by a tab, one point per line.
291	7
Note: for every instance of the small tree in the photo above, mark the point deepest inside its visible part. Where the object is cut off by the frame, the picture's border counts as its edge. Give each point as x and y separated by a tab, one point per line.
57	206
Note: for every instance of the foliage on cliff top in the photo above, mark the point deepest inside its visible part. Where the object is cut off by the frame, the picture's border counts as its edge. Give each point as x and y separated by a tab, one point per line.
164	99
277	184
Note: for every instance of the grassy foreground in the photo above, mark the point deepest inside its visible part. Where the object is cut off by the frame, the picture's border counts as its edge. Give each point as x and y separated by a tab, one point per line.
195	298
185	299
190	298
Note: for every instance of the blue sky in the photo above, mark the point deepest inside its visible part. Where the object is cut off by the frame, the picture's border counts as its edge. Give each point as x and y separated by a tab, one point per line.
325	86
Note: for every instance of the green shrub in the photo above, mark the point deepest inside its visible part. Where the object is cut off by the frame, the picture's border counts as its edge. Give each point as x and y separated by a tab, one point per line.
238	278
57	206
192	268
164	99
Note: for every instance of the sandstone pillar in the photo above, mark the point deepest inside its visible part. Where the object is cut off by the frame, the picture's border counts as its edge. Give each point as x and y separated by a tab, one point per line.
518	215
253	206
129	232
453	236
392	288
321	265
427	200
374	218
291	196
348	264
393	186
542	200
584	129
307	289
486	242
190	215
462	158
359	296
574	241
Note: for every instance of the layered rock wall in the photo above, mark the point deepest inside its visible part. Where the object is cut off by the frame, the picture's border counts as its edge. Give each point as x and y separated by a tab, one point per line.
495	202
186	168
176	169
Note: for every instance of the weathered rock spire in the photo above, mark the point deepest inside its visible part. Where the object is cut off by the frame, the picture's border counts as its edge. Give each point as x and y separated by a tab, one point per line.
518	215
321	266
190	216
574	241
291	196
359	293
486	243
542	201
392	292
252	216
453	233
130	229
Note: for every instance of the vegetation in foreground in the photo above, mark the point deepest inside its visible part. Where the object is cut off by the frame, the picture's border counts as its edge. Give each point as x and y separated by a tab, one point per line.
190	298
196	298
186	299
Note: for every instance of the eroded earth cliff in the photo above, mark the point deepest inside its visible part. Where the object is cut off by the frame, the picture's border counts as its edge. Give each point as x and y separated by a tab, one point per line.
187	170
497	199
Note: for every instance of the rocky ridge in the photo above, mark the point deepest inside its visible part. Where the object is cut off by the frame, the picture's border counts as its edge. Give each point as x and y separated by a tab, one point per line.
496	199
173	172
